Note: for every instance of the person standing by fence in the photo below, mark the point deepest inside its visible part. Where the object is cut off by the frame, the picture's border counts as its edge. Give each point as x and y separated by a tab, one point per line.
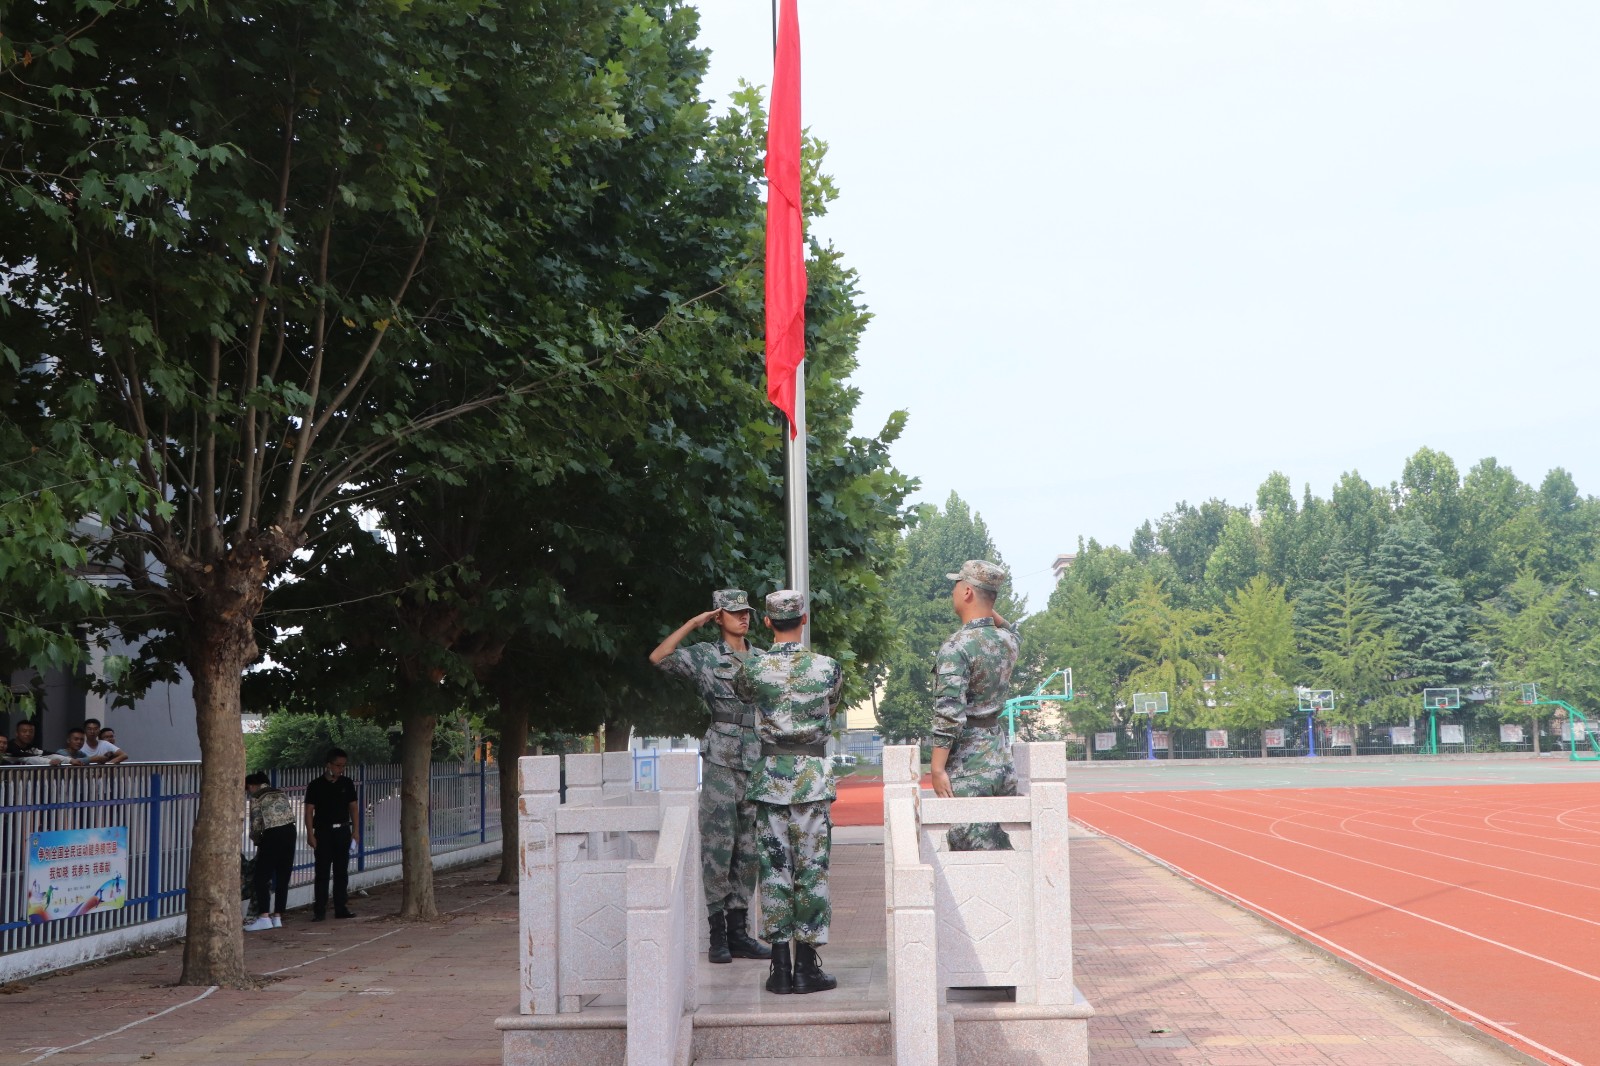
972	677
272	832
332	823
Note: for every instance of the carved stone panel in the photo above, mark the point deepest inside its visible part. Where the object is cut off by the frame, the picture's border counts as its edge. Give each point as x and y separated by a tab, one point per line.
984	904
594	928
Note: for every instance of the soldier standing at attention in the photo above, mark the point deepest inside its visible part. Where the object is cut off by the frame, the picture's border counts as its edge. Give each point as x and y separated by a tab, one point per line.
794	691
731	750
972	674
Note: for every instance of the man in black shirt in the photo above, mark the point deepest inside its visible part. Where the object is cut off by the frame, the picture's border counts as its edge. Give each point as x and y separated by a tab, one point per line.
332	821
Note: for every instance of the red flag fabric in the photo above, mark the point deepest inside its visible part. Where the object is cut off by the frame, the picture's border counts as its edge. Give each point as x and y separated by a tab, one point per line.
786	253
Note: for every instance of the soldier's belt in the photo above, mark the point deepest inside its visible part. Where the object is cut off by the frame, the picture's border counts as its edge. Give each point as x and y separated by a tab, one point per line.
819	748
727	718
985	725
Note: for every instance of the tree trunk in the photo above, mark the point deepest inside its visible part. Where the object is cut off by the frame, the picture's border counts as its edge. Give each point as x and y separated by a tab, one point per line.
619	731
513	742
416	844
213	949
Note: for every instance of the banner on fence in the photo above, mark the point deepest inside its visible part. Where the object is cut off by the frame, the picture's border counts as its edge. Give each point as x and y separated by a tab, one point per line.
1343	736
1402	734
1273	737
1160	740
1105	741
76	871
1216	738
1510	734
1571	730
1452	733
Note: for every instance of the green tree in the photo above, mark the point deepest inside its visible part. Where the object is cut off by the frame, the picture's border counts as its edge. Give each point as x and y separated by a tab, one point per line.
1189	535
1527	634
1430	493
272	245
1169	650
288	740
1238	557
1260	657
1492	498
921	612
1351	650
1423	608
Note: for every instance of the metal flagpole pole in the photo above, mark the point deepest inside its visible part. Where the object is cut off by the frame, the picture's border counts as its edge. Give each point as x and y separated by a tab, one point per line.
796	501
796	494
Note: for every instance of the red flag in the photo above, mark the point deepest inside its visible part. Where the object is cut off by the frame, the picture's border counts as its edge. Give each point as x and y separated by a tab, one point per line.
786	250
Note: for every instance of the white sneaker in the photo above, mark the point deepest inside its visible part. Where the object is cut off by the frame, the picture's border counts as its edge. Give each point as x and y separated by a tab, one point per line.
261	924
277	921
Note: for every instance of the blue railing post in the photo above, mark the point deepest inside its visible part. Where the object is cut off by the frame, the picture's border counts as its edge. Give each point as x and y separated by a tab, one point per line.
153	884
483	803
361	812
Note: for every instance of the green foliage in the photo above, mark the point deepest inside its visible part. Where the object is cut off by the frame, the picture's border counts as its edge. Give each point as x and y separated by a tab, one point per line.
1260	659
288	740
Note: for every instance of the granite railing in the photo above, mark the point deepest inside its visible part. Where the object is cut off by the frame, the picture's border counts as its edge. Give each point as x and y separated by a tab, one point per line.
975	919
610	884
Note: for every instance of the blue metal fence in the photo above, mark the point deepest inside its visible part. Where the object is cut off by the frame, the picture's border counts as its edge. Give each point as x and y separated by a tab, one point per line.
157	803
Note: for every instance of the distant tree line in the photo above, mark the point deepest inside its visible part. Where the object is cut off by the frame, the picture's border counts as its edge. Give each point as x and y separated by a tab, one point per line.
1480	582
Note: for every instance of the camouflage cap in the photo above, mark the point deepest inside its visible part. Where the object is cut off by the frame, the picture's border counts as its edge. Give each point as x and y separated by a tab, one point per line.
981	574
785	605
730	600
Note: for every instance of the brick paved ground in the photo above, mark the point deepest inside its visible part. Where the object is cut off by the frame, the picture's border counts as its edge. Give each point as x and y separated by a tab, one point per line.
1177	976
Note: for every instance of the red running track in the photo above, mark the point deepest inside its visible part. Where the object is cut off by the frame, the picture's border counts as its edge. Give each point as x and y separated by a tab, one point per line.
1483	900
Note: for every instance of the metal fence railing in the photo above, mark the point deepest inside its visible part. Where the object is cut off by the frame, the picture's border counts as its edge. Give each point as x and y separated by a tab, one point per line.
1454	736
157	803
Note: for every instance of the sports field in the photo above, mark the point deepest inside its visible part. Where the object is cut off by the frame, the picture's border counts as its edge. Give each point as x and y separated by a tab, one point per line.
1475	885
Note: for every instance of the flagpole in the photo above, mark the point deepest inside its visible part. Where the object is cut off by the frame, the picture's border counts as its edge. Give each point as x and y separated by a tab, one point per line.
796	486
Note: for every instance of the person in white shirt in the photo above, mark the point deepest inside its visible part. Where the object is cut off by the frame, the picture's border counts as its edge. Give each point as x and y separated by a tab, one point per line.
98	750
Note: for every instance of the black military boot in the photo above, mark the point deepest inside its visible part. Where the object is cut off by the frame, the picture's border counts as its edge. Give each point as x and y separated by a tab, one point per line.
741	945
808	975
780	980
718	951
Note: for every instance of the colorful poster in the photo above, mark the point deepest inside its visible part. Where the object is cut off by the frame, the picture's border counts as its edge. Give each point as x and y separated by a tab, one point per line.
1160	740
76	871
1105	741
1402	734
1452	734
1274	738
1216	738
1510	734
1343	736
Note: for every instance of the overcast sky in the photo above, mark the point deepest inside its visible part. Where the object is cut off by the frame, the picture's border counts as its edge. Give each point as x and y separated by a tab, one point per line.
1121	254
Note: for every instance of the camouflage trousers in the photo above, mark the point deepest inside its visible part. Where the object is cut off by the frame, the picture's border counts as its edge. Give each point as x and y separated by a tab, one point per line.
796	839
728	864
983	836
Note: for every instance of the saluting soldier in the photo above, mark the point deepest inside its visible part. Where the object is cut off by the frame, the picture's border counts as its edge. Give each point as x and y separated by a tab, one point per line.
728	865
972	674
795	691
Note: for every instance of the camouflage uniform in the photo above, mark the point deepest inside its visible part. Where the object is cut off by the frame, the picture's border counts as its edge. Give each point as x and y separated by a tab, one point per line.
972	676
728	863
794	691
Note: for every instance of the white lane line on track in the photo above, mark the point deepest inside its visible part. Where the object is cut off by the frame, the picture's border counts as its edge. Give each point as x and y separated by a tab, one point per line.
1388	841
1344	829
213	988
1381	904
121	1028
1345	953
1513	901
